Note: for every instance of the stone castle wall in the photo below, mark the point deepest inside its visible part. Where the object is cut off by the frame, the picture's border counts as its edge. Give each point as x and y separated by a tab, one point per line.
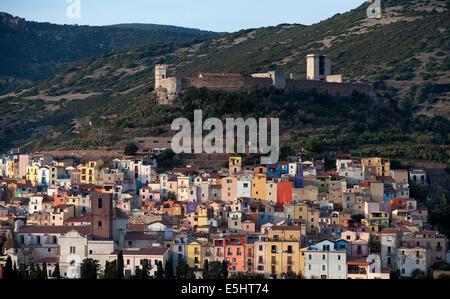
171	88
342	89
233	83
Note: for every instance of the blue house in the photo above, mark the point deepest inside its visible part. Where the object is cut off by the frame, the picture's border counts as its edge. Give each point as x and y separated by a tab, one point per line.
389	193
328	245
277	170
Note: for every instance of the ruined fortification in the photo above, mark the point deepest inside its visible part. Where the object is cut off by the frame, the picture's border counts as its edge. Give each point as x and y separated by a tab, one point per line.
318	76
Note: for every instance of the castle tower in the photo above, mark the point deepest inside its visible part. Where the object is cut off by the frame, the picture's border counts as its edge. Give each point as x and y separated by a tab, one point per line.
102	212
318	67
161	72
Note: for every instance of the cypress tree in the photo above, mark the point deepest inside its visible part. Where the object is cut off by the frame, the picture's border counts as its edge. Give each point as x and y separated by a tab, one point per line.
224	269
120	265
56	273
44	270
206	270
168	270
8	272
159	271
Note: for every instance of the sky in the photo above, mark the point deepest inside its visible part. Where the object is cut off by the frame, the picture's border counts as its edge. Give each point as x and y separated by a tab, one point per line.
214	15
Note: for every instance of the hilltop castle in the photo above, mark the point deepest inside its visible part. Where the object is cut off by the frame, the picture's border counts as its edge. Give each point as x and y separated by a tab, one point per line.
318	76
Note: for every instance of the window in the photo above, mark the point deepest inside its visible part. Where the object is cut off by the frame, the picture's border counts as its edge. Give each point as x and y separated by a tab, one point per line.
99	224
72	250
100	203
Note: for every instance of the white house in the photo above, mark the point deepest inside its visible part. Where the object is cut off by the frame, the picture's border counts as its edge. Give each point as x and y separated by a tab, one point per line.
412	258
133	257
325	264
35	204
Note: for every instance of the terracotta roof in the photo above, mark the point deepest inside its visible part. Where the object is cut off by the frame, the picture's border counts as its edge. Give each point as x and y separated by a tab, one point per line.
285	227
357	261
84	218
82	230
47	260
133	236
389	231
138	227
144	251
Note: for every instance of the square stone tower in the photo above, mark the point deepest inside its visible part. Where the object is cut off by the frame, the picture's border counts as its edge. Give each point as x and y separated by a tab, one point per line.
318	67
102	214
161	72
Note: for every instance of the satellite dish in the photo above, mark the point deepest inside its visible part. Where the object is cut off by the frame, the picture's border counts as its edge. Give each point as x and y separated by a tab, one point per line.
191	208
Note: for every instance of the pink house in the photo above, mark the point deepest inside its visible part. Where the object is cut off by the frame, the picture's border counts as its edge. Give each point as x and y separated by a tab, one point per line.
229	189
219	249
358	242
248	227
147	194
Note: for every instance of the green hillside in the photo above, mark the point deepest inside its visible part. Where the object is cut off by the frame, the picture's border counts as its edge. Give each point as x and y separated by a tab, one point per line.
33	51
404	55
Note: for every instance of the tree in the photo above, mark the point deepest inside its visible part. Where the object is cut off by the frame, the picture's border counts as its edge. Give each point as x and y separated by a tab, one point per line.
241	276
159	271
190	274
36	273
215	271
56	273
182	269
89	268
291	275
394	274
418	274
130	149
206	269
168	270
44	271
22	272
8	273
224	269
120	265
171	196
358	218
110	270
144	272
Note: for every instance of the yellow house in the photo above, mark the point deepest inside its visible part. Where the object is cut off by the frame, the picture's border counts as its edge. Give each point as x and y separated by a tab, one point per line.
296	211
199	217
259	188
194	254
32	174
234	165
12	168
88	173
383	166
376	222
283	250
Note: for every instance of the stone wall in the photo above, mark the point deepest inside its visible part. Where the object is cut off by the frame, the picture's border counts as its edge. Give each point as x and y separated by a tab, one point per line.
343	89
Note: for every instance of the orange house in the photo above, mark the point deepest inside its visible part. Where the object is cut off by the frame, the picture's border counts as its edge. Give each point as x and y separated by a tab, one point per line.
234	254
260	170
284	193
60	197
